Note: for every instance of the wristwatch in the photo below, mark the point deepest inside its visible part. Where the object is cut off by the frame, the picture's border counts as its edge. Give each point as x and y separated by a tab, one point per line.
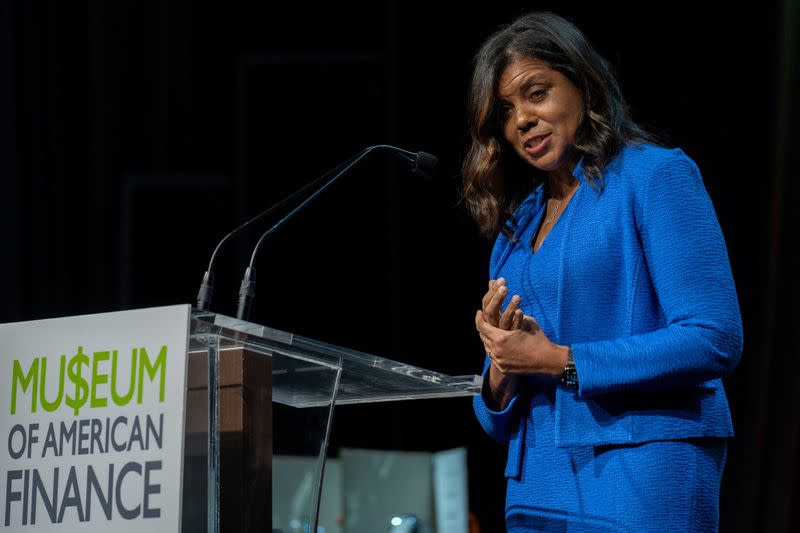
569	376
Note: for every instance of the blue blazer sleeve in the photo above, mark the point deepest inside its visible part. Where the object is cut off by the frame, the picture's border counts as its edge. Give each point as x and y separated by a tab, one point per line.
500	425
687	261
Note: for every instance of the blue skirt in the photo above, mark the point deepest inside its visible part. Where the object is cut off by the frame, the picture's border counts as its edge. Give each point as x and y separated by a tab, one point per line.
653	486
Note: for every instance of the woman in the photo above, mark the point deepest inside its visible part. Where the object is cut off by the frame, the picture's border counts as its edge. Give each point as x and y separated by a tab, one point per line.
612	314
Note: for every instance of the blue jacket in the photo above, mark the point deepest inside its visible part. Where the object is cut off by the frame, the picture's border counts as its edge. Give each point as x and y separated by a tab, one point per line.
635	277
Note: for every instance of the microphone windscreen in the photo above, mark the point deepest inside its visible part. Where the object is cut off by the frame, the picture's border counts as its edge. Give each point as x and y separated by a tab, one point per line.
425	165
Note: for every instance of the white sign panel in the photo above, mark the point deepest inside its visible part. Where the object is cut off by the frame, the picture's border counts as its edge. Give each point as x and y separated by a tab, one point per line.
92	422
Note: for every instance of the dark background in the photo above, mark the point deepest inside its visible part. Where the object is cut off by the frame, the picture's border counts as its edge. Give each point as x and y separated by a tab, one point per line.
134	135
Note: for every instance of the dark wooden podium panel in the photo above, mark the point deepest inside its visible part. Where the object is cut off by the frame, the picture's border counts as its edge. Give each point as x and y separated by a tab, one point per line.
245	420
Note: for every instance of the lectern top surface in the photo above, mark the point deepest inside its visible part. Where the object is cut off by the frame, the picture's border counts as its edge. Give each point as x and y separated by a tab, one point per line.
305	371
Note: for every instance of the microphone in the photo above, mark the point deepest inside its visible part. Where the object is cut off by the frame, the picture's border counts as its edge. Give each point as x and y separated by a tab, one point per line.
422	164
206	291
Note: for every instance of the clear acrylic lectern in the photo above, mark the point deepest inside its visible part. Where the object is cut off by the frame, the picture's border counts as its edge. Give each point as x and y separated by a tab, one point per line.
254	390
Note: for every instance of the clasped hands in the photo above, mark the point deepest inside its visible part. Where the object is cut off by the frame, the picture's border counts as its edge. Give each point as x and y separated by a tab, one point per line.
514	341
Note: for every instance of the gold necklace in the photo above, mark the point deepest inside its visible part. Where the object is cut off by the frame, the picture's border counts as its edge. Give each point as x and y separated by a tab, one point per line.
553	214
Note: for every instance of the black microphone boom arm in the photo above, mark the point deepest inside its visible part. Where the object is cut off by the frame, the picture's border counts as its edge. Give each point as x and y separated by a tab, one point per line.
422	164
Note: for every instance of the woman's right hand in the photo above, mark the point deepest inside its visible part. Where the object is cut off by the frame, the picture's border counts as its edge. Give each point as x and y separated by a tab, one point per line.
502	386
491	305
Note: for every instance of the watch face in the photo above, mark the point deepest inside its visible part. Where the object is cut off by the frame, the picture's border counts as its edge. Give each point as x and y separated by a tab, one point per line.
570	376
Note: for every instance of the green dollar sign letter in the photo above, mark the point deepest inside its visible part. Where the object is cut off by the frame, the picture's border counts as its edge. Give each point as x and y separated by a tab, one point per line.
81	385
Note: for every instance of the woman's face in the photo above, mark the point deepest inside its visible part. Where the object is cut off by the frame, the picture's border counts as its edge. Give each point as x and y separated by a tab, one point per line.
541	113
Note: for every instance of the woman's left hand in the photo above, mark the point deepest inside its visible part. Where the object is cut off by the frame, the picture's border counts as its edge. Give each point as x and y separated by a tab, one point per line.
521	351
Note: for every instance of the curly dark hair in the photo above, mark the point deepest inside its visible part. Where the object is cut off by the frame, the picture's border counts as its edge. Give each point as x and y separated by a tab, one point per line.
495	179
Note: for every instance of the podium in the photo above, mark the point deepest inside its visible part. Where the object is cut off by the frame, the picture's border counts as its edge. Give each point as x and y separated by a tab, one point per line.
169	418
253	390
